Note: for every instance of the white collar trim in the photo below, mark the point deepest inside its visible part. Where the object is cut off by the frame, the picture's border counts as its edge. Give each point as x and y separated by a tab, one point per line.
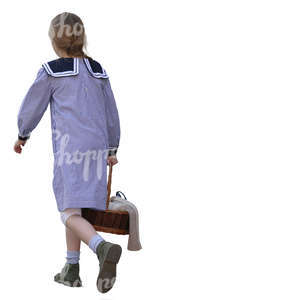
66	73
97	75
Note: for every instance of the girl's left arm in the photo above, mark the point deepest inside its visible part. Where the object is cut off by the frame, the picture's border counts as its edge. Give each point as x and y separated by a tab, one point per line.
34	105
112	117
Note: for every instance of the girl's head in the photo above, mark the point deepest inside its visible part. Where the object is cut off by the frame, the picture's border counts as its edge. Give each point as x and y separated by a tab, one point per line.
67	35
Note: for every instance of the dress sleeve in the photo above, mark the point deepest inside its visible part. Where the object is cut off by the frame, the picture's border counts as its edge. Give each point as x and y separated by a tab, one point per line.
34	104
112	117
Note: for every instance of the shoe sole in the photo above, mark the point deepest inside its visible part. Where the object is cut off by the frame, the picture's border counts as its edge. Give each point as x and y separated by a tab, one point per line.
76	283
108	271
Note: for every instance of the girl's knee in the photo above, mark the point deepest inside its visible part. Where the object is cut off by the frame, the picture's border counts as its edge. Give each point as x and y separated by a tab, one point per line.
68	212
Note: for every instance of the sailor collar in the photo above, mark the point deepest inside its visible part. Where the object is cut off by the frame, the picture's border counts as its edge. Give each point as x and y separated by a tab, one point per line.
69	66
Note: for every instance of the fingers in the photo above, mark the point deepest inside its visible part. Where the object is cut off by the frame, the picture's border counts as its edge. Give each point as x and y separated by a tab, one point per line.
112	160
18	146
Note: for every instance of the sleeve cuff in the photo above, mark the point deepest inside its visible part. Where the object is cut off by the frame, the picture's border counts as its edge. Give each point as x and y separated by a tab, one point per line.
23	138
112	151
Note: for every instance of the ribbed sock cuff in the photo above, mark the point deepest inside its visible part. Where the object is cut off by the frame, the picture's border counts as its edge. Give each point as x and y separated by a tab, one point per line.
73	257
95	241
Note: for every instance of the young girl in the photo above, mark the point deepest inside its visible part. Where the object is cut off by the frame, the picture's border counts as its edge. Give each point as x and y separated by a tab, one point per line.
85	138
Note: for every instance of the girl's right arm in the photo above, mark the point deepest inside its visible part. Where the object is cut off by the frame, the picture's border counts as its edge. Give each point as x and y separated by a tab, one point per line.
33	107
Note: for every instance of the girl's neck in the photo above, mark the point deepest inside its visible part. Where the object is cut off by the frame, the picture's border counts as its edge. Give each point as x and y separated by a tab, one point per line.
69	56
63	54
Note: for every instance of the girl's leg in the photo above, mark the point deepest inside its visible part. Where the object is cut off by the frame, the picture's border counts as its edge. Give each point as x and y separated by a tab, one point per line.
69	274
107	253
72	240
73	247
81	228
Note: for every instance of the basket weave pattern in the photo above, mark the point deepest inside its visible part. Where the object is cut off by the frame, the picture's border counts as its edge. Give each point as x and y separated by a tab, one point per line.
111	221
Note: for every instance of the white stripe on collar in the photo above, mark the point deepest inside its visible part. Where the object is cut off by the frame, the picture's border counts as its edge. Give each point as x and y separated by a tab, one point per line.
66	73
97	75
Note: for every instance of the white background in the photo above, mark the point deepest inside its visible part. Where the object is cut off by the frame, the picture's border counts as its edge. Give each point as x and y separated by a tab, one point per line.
208	96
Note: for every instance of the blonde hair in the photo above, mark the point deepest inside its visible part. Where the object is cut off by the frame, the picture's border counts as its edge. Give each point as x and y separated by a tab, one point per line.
67	33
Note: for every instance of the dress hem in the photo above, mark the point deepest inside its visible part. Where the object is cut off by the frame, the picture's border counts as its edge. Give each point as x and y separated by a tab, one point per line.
81	204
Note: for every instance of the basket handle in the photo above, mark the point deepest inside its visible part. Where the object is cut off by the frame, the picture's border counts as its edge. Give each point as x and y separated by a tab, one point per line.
109	185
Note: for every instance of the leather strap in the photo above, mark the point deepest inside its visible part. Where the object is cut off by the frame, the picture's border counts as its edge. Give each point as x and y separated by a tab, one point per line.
109	185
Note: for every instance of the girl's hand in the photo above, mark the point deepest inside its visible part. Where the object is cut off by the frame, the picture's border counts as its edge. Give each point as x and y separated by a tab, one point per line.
18	146
112	160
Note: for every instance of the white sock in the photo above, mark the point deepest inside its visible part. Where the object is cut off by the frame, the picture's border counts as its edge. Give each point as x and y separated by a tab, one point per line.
95	241
73	257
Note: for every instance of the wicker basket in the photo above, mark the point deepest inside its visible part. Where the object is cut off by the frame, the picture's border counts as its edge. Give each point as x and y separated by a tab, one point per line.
111	221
